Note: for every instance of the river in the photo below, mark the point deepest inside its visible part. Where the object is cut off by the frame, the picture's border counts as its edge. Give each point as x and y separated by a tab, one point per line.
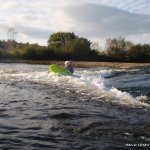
96	109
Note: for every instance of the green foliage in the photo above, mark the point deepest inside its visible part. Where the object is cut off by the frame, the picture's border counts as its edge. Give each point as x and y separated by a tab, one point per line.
122	50
1	45
140	53
15	54
34	51
66	45
117	48
58	40
79	46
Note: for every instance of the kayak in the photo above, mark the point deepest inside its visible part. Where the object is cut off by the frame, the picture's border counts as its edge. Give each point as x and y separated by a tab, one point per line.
54	68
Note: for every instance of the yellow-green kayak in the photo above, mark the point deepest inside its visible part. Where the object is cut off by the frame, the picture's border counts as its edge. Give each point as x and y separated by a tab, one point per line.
54	68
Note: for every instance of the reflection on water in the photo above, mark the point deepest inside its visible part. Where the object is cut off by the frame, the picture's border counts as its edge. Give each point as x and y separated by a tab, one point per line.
97	109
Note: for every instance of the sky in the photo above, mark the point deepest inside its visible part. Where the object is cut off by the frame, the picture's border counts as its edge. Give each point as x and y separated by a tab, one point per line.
97	20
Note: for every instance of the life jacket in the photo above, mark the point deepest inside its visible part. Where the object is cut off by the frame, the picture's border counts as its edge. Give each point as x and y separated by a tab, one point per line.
71	69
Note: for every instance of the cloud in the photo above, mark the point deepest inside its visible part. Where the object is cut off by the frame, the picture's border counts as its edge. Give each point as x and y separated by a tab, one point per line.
3	27
133	6
93	19
104	21
9	4
34	32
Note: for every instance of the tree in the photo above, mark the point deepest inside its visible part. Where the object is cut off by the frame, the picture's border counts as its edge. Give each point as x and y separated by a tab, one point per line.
139	53
67	44
11	33
117	48
58	40
79	48
11	37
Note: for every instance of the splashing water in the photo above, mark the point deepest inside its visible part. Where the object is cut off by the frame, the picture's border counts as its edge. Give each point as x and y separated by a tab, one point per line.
89	81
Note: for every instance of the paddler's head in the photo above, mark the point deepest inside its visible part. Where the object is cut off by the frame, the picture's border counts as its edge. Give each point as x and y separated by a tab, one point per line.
68	63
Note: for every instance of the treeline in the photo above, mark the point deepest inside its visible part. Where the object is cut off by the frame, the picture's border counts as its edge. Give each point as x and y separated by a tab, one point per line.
66	45
118	49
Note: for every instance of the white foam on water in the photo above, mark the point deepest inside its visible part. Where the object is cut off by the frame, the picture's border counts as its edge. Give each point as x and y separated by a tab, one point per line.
97	85
88	82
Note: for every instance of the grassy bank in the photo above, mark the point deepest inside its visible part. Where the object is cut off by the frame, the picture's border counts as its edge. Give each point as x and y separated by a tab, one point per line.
82	64
112	64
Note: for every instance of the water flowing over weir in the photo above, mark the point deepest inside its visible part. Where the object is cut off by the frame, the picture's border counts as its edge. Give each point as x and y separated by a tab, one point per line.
99	108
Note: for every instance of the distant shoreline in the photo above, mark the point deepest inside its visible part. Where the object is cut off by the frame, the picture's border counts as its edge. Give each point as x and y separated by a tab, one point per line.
81	64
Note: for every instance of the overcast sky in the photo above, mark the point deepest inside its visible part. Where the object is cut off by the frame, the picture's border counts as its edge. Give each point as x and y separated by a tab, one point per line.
36	20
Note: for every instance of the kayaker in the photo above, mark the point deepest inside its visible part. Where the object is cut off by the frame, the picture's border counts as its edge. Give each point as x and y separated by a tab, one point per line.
68	65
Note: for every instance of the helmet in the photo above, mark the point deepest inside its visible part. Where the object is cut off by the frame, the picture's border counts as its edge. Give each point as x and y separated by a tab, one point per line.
67	63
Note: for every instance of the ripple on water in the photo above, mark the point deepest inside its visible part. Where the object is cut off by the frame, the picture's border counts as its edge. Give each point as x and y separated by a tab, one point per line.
38	114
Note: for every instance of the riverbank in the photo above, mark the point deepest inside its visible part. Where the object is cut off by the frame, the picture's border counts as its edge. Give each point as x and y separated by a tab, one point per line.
82	64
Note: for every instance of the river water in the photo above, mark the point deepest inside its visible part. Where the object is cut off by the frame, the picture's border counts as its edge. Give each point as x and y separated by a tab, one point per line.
97	109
